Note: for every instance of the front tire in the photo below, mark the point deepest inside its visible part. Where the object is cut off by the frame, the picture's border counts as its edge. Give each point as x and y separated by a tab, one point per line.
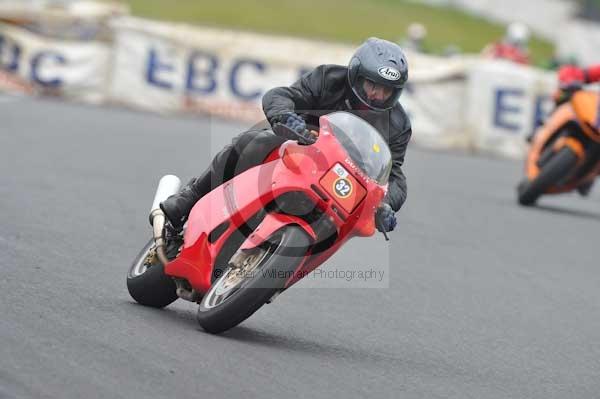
555	170
147	282
225	306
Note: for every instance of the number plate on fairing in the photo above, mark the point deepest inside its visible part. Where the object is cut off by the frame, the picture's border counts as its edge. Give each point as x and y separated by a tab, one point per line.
343	187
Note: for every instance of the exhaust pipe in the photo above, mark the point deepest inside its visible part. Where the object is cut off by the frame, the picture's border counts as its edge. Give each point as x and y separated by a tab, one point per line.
167	186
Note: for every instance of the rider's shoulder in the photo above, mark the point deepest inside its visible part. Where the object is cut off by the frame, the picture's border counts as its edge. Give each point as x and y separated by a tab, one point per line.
399	118
334	77
332	71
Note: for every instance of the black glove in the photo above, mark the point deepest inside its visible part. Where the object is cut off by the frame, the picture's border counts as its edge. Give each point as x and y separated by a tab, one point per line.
296	127
385	218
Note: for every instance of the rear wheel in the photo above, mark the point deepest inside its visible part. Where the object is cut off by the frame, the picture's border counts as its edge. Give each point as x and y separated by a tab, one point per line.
554	171
241	291
147	282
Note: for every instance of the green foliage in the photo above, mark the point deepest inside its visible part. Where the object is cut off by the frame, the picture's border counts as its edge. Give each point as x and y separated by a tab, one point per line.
348	21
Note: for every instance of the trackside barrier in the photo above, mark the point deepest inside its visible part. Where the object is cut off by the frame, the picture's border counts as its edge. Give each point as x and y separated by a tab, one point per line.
454	103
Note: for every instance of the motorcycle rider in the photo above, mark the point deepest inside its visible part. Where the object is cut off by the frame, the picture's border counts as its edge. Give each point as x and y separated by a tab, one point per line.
571	78
369	87
513	47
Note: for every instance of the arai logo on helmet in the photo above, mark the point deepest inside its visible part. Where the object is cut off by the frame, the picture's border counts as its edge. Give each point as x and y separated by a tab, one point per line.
389	73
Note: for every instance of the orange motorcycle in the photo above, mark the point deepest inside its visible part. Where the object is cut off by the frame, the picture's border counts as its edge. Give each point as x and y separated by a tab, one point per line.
565	151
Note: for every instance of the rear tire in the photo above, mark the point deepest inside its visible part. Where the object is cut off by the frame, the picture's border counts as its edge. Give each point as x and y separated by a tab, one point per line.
148	284
216	314
556	169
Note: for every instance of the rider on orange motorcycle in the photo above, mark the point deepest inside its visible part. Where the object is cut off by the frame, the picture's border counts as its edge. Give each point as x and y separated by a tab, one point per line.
369	86
572	77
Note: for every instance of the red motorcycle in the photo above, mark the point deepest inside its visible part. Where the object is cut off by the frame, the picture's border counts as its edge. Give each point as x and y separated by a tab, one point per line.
257	234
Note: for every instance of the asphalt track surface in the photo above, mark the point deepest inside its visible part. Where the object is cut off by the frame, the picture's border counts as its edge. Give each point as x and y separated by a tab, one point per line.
484	299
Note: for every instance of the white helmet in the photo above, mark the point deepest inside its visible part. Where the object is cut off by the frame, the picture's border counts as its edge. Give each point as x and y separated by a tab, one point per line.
517	34
416	31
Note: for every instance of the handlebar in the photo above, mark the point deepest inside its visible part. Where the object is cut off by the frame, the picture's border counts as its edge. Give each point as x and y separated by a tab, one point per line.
379	224
283	131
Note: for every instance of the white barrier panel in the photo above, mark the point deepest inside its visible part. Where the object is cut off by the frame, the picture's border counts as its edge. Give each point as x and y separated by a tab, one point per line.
71	69
505	101
166	68
435	100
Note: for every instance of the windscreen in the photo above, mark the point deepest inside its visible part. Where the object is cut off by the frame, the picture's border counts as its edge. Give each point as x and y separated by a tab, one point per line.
364	145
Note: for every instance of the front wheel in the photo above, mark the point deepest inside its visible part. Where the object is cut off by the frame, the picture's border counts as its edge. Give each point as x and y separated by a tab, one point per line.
241	291
553	172
147	282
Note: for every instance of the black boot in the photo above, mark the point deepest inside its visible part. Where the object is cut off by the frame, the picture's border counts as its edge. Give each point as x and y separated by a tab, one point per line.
178	206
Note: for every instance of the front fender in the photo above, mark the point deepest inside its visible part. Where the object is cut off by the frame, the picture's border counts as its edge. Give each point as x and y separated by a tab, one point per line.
270	224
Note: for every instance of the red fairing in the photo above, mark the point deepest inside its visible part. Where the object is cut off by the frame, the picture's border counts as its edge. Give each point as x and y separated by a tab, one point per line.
297	168
230	205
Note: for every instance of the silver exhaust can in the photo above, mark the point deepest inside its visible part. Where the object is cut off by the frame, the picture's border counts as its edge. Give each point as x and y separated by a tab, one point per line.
167	186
